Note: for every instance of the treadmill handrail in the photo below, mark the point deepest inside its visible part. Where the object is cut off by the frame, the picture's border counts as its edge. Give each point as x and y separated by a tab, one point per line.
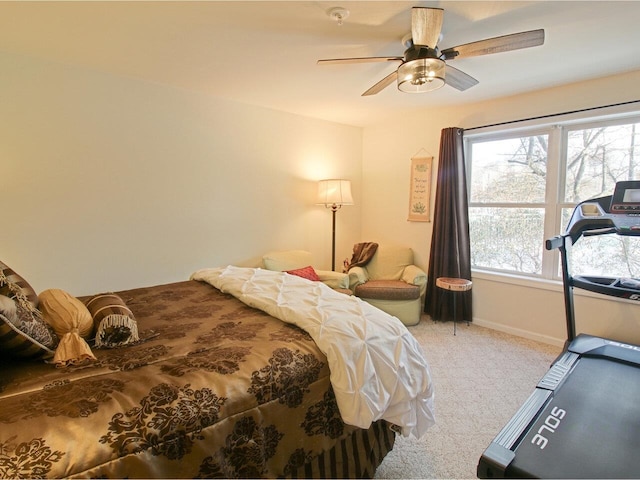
579	224
554	242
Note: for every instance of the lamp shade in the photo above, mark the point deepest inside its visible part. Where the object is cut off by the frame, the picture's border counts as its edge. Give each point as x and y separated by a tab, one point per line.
334	192
421	75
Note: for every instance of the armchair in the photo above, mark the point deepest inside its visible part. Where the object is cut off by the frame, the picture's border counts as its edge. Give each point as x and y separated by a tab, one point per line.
391	282
294	259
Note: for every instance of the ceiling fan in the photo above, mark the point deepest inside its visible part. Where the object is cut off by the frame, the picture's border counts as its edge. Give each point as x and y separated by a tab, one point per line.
423	67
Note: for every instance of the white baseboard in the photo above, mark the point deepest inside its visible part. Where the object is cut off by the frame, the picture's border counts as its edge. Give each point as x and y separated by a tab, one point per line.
519	332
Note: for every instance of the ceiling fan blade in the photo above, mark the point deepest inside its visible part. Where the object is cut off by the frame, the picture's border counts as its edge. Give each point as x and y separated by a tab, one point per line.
335	61
458	79
504	43
382	84
426	24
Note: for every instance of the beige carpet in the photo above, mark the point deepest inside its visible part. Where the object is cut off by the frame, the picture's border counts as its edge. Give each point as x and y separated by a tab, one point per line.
481	378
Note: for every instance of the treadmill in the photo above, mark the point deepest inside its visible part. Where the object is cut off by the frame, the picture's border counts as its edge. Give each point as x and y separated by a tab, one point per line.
583	418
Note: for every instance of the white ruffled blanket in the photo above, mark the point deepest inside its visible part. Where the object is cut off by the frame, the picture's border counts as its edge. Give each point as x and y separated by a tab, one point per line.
378	369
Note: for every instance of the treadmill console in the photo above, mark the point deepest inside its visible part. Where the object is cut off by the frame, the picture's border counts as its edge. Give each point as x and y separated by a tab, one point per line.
618	213
626	198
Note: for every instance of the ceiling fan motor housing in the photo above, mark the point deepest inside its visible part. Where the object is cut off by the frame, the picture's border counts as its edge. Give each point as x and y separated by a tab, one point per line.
419	51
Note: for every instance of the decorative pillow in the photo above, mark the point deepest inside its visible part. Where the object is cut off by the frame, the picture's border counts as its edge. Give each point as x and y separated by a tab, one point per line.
114	323
72	322
306	272
286	260
23	331
9	309
16	343
13	285
30	322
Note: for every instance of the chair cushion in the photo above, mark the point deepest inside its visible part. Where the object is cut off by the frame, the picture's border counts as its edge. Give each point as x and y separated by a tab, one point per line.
346	291
388	290
389	262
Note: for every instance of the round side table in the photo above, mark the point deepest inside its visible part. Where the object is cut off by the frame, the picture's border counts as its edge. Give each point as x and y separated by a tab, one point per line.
454	285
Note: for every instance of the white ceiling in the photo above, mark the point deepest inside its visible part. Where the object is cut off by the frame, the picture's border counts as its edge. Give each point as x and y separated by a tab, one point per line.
264	52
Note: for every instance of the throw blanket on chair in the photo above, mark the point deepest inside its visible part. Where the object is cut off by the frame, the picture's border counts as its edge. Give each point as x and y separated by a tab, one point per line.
378	369
362	254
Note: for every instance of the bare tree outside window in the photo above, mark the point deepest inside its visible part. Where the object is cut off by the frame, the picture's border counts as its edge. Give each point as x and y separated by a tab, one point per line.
597	158
506	213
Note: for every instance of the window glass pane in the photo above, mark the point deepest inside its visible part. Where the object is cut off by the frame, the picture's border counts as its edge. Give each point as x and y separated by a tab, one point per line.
564	221
603	255
606	256
597	158
507	238
509	171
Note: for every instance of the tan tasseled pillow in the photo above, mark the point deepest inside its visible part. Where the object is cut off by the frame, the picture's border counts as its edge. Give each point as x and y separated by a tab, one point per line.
72	322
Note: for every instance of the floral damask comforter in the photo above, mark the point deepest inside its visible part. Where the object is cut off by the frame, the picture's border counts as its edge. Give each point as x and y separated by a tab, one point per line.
214	388
378	369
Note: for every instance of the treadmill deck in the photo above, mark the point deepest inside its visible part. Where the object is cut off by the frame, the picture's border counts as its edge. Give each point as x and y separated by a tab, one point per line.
582	420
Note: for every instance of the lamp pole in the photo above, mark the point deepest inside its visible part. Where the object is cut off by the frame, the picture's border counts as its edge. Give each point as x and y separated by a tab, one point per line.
334	209
333	194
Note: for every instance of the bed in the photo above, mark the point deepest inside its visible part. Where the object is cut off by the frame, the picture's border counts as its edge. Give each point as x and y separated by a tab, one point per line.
216	386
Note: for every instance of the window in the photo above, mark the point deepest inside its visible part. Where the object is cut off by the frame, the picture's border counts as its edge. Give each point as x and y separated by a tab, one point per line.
524	184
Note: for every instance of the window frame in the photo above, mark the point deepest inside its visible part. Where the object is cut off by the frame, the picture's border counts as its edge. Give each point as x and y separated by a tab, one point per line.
557	127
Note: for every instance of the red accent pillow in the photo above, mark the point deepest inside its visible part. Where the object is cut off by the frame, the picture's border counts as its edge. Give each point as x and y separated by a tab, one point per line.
306	272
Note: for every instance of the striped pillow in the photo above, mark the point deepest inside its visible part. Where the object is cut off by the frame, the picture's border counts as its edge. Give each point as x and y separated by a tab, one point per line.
23	331
114	323
15	343
13	285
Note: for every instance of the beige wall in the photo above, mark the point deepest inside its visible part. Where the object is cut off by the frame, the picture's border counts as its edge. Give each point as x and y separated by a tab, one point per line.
530	309
111	183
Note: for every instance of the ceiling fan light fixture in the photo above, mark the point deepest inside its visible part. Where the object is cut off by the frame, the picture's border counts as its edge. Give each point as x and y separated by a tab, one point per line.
421	75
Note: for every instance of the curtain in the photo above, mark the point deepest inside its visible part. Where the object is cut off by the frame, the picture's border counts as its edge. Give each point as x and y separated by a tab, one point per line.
450	254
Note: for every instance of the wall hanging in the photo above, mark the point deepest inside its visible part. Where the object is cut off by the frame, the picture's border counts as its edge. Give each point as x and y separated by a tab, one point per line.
420	187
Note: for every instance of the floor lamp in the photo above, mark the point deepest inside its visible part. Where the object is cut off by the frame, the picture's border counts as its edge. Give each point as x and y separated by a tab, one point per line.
334	194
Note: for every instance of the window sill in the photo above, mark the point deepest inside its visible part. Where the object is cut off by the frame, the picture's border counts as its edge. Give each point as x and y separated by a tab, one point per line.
520	280
541	284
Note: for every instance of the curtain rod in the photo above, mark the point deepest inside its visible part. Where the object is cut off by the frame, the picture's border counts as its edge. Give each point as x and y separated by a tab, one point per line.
553	115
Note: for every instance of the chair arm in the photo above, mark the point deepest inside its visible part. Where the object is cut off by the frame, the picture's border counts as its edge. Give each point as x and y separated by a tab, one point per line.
357	276
415	275
333	279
